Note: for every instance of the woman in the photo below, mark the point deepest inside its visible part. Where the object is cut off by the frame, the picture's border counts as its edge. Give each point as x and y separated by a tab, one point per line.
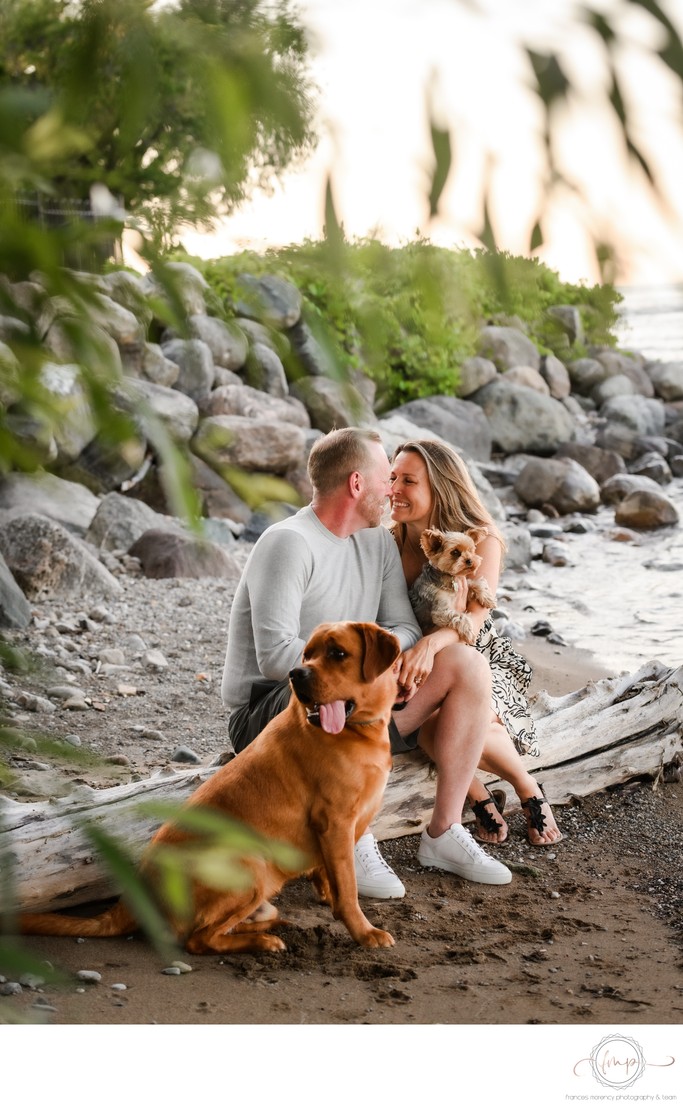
430	487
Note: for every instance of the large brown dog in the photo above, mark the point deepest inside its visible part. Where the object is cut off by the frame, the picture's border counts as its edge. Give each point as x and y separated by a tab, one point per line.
314	777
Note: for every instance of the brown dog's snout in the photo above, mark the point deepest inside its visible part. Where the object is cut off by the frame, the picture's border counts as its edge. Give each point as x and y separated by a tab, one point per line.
300	678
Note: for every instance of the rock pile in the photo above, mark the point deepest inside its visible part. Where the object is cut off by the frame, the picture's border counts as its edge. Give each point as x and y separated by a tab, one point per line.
245	398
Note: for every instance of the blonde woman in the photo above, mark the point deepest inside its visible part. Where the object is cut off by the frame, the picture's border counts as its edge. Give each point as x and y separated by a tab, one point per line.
430	487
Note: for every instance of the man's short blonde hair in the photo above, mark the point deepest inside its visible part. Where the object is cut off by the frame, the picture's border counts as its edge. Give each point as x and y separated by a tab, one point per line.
337	455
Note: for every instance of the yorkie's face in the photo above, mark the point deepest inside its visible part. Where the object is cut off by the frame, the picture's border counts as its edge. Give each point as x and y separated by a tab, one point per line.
450	552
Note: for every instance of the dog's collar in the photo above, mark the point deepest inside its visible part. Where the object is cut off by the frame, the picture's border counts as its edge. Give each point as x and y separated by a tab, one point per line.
438	577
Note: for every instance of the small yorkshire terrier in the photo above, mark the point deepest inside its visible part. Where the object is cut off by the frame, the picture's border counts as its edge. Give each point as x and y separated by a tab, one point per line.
450	555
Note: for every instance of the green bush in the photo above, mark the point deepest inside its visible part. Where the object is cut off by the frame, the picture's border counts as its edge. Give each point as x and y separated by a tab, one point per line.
409	317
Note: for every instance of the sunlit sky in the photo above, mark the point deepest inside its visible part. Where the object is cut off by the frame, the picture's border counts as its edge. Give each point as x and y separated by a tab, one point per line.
373	62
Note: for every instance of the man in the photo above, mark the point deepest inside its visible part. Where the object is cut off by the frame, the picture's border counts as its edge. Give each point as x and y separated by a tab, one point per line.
334	561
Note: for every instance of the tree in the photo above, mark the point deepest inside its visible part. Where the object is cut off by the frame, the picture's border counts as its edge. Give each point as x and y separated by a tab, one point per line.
176	110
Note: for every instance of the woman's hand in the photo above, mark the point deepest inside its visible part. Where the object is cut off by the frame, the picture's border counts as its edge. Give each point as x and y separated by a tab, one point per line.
460	592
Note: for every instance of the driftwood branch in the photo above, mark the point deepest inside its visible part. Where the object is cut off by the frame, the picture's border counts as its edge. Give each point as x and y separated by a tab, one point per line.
604	734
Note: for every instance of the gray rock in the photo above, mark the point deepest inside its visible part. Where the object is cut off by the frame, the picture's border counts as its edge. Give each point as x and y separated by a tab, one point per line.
67	503
254	445
556	376
332	403
507	347
518	543
652	465
243	400
189	286
76	426
188	757
568	318
475	372
646	511
162	554
154	661
640	414
9	376
561	482
119	520
265	336
15	610
264	370
617	488
523	421
89	976
147	402
226	341
45	559
268	299
526	377
308	356
126	289
667	379
556	554
618	385
585	373
156	367
104	466
195	366
459	422
601	464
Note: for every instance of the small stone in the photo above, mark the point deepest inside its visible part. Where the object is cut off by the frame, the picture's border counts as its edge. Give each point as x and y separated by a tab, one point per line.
127	690
541	628
77	703
554	895
119	987
135	643
112	657
89	976
101	614
65	692
117	759
11	989
155	661
181	966
172	970
153	735
188	756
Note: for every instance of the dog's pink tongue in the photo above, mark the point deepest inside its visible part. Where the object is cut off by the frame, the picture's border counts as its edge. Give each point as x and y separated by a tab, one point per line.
333	716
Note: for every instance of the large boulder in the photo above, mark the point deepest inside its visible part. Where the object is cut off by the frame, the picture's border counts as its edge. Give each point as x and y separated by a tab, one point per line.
556	376
164	554
104	465
196	369
332	404
148	402
240	399
460	423
643	415
307	355
67	503
264	370
120	520
507	347
601	464
646	511
76	426
560	482
618	487
226	341
154	366
475	372
523	421
667	379
189	286
268	299
256	445
46	560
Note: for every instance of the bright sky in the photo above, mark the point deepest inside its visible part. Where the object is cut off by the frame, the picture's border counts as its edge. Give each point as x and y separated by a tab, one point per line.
374	61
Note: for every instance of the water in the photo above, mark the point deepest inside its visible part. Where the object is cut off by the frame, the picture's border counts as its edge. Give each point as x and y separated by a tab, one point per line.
623	601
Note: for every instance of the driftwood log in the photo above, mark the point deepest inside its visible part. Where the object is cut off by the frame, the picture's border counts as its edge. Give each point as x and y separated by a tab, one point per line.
604	734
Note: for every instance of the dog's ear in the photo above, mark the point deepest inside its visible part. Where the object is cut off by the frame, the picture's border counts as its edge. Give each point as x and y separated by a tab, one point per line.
478	534
431	542
380	648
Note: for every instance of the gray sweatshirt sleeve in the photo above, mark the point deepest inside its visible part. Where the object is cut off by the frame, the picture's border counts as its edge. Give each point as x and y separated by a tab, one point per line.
278	574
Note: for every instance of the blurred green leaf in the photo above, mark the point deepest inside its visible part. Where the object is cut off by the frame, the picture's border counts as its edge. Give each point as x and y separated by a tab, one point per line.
441	145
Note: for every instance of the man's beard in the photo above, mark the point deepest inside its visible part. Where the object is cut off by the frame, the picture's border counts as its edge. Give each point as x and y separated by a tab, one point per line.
372	509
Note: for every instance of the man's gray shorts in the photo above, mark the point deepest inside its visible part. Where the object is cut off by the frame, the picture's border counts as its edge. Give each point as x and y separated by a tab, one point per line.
268	698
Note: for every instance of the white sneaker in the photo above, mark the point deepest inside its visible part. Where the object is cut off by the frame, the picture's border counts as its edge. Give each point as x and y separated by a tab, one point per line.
373	876
457	852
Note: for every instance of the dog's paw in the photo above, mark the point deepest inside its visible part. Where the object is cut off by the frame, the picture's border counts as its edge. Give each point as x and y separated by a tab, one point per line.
375	939
463	625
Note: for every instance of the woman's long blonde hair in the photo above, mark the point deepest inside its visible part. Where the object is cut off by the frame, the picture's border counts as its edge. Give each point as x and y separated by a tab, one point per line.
457	504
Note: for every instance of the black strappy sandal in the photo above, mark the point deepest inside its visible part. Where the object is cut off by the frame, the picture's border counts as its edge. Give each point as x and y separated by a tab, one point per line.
536	820
480	811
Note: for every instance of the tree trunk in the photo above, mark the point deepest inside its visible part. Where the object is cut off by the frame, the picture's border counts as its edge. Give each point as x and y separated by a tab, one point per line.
603	734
